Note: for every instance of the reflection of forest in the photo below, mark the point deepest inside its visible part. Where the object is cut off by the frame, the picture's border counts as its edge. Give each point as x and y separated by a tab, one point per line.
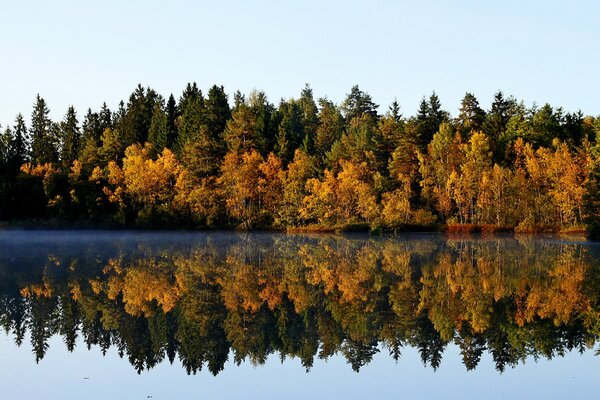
305	297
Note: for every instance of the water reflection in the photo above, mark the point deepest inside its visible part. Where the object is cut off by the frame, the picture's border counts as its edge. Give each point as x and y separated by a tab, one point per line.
202	298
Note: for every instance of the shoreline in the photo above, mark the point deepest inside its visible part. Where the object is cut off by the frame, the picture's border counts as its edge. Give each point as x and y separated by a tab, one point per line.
451	230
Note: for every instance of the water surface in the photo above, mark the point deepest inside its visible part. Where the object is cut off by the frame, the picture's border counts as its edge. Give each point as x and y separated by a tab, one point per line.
225	315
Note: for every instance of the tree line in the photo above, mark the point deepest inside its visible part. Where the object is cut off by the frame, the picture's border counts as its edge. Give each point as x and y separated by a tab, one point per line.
305	163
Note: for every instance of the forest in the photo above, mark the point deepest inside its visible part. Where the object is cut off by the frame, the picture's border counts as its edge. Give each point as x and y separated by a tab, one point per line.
305	164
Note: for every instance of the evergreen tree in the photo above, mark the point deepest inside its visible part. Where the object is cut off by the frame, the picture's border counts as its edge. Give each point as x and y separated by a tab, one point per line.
105	118
191	107
5	139
135	124
428	120
91	128
158	134
172	114
70	137
218	111
19	152
394	111
573	128
357	104
498	116
238	100
44	141
290	133
330	128
266	130
471	117
310	117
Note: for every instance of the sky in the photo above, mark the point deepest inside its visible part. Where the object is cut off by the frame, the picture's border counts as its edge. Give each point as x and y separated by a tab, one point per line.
88	375
84	53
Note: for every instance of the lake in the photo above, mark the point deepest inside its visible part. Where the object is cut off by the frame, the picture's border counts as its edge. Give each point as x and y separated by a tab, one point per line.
161	315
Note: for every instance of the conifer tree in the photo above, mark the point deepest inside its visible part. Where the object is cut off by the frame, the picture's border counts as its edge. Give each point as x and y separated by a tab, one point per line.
19	150
158	134
218	111
105	117
310	118
191	107
70	137
471	117
172	114
358	103
91	128
44	141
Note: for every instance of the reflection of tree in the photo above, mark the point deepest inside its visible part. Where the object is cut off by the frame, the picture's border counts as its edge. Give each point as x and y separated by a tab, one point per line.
307	297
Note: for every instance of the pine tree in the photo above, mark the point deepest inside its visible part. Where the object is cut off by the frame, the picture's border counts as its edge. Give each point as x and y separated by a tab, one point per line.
358	103
471	117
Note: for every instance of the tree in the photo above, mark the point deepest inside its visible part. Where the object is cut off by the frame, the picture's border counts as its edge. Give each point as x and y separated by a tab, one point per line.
105	117
92	129
347	197
240	174
241	133
465	186
192	115
290	130
471	117
299	171
443	157
19	152
218	111
44	142
158	134
135	123
70	137
310	117
591	203
172	114
358	104
428	119
330	128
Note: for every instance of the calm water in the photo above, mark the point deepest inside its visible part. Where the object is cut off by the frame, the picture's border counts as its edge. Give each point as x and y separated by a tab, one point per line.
101	315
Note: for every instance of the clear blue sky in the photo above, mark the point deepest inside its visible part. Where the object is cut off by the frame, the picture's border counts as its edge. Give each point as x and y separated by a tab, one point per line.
83	54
